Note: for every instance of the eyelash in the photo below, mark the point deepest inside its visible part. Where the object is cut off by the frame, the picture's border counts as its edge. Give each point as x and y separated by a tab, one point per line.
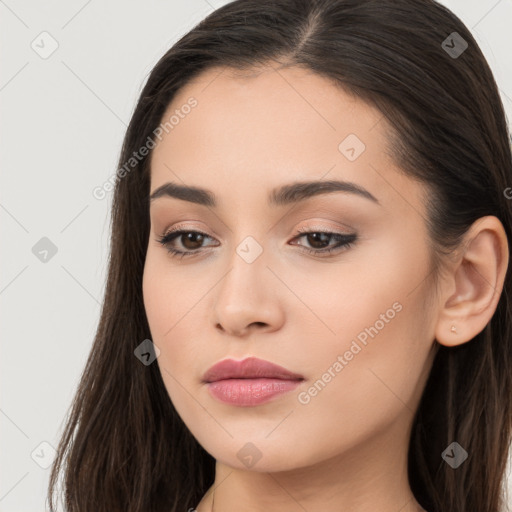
346	241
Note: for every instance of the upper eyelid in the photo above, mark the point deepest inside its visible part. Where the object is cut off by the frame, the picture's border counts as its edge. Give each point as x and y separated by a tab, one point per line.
312	213
318	223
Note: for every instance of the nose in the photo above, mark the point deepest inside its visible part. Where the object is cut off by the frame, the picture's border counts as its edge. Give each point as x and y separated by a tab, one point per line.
246	298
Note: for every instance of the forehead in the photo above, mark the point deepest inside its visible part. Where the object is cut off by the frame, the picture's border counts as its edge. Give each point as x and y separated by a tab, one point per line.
260	103
265	127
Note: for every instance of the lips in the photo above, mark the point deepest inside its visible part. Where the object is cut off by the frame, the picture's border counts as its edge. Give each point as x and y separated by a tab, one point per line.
250	368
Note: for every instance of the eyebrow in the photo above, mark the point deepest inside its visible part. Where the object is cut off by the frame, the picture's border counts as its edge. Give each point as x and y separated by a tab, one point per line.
281	196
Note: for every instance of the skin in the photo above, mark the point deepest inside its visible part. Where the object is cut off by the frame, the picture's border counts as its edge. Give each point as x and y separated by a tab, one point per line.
346	449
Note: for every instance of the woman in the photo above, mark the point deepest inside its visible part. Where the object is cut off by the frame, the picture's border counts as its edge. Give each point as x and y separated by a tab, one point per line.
307	305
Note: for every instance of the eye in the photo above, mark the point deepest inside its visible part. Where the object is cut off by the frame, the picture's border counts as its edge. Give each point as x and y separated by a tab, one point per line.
319	239
192	242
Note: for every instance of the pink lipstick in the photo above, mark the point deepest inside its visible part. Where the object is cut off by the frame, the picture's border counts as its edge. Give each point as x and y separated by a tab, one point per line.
249	382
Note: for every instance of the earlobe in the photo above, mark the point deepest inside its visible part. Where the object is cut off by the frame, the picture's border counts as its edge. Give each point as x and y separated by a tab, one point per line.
475	285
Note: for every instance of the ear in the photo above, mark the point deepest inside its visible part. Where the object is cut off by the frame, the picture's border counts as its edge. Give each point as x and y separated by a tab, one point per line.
473	288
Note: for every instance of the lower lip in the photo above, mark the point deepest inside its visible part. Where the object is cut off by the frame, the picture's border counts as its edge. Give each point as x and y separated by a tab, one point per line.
248	392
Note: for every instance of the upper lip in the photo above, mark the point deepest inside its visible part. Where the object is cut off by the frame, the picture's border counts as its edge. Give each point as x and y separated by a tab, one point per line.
248	368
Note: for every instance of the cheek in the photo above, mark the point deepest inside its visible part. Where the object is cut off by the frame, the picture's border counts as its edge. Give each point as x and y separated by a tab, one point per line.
156	297
379	376
172	305
170	295
373	316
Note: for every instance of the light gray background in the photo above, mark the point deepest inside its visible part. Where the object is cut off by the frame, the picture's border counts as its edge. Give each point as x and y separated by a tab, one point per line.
63	120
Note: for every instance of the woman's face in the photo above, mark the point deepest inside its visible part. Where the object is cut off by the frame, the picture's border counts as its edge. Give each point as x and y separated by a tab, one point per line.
353	323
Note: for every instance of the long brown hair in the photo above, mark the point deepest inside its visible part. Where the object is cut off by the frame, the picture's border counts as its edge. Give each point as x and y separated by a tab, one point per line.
124	447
